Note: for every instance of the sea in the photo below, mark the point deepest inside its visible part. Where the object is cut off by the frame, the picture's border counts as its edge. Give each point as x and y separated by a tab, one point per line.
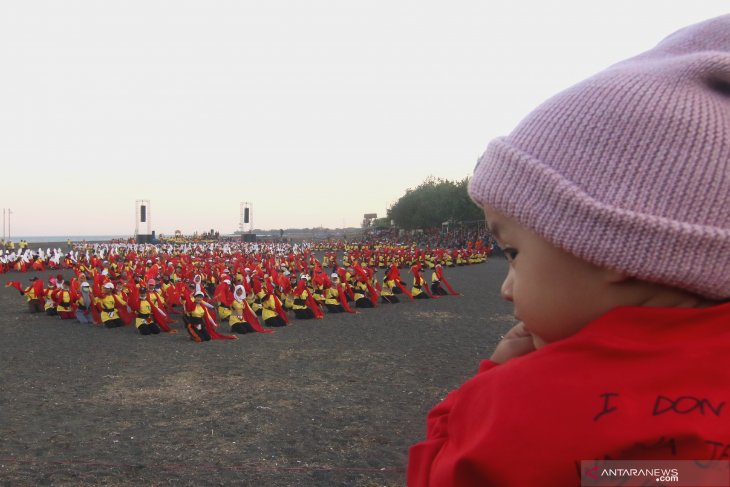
64	238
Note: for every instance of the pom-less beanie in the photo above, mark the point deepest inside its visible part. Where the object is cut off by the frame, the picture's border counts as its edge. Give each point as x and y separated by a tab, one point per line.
630	169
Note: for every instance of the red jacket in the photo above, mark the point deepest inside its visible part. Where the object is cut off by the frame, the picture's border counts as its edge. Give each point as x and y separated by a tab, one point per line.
637	383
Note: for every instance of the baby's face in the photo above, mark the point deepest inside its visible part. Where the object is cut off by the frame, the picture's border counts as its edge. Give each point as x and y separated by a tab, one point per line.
554	293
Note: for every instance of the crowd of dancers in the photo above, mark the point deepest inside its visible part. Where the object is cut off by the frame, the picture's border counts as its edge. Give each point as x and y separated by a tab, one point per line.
253	287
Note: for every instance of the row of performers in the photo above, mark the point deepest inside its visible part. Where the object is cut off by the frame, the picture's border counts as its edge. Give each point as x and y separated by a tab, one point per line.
427	258
240	302
478	245
379	256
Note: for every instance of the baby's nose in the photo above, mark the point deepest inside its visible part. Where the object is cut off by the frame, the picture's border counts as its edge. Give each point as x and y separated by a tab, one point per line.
506	290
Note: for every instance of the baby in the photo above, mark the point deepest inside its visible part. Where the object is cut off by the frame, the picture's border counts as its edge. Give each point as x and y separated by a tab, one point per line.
612	204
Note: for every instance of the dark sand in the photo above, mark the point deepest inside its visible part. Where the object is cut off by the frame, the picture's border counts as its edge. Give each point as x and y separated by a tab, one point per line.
336	401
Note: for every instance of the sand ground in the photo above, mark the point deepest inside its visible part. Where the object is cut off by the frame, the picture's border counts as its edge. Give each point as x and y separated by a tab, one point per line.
332	402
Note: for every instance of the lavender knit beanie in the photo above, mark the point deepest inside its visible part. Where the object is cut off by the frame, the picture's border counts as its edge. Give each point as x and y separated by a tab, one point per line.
630	169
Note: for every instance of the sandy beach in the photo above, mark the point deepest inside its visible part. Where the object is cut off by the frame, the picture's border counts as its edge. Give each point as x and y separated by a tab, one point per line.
330	402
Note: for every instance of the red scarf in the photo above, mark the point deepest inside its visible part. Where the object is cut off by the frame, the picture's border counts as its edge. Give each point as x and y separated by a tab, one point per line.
211	325
250	317
440	275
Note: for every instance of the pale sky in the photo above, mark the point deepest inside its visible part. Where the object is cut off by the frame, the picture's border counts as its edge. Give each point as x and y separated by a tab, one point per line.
314	111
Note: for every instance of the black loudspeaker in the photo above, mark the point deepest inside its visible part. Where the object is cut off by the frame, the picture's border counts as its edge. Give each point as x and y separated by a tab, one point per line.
245	215
249	237
143	213
144	238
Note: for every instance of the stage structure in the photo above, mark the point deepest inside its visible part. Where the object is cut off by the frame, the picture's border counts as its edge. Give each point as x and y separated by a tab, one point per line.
368	218
143	226
245	225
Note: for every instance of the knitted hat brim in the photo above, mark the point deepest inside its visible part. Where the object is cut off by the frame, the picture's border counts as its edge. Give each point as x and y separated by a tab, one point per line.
534	194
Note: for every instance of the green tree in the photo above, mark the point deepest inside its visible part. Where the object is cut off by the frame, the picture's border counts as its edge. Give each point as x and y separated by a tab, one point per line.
464	207
381	223
433	202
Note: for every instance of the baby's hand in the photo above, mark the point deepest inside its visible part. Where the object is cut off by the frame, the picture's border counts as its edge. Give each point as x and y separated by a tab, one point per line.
516	342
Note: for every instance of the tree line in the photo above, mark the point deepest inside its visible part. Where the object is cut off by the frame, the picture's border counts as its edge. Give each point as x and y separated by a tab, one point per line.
432	203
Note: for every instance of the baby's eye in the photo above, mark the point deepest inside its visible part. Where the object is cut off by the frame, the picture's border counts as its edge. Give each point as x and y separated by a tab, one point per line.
510	253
